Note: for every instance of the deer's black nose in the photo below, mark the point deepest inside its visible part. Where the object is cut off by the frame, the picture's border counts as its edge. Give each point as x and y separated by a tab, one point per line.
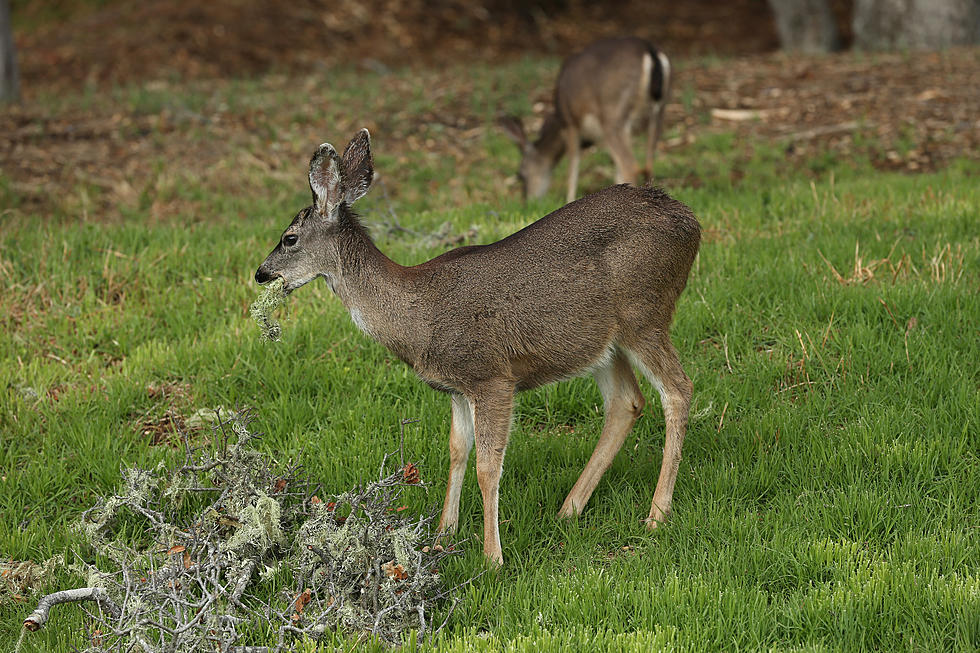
261	276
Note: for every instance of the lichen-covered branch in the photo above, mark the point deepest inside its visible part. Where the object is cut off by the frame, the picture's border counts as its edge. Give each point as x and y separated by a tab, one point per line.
39	617
193	549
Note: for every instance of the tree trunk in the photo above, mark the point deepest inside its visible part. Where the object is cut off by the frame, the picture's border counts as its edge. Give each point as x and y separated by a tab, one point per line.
9	80
806	25
915	24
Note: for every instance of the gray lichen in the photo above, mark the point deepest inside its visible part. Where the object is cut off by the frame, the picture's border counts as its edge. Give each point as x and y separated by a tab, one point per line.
188	554
272	297
258	528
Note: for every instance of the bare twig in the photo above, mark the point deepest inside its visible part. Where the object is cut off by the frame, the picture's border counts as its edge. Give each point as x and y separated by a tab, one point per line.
401	438
825	130
39	617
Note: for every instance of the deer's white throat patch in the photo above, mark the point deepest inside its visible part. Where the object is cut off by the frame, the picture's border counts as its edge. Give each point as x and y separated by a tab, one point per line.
358	318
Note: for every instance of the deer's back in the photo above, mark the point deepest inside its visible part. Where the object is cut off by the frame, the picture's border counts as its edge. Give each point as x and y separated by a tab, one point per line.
621	230
549	299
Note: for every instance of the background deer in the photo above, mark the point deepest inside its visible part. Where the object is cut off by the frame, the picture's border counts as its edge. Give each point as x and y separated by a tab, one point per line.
587	289
604	93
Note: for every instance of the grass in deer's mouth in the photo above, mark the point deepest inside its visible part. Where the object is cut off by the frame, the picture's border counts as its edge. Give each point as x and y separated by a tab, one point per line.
272	297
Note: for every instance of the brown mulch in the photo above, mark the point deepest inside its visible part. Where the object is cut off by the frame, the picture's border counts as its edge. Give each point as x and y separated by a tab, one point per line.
181	39
911	112
901	112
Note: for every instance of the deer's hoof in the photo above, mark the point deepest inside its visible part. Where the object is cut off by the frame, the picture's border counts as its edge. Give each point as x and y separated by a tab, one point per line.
655	520
569	509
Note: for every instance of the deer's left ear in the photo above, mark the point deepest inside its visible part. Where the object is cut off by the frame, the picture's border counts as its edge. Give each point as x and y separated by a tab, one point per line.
514	129
325	180
357	167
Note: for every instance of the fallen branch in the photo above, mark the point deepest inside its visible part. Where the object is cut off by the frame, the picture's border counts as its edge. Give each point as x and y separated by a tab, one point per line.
743	115
39	617
807	134
355	563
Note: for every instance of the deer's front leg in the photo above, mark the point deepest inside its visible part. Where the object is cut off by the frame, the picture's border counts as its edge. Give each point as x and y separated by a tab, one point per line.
492	409
460	444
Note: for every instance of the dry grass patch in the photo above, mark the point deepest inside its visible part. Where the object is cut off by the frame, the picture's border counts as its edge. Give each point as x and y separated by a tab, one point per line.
943	264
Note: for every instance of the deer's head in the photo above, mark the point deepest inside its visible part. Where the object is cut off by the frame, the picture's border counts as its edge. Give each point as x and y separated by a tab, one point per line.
308	246
536	162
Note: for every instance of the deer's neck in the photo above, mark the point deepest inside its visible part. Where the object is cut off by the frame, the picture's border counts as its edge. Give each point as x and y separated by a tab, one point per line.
551	141
377	292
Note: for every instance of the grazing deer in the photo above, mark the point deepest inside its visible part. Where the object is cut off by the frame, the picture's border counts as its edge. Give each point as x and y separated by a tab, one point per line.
588	289
604	93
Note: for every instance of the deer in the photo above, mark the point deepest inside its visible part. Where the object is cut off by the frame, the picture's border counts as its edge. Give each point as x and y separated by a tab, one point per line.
606	92
588	289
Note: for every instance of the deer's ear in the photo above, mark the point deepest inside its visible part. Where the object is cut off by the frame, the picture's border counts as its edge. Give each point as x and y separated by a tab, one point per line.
325	179
357	167
514	128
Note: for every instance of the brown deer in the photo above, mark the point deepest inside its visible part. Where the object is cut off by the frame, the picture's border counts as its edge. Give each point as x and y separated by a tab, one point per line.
588	289
606	92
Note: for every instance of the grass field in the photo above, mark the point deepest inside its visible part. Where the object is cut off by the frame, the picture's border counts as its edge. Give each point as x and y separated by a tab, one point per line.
828	494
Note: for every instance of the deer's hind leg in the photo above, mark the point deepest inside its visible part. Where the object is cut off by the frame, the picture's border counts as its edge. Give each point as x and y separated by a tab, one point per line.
657	358
654	128
623	403
618	142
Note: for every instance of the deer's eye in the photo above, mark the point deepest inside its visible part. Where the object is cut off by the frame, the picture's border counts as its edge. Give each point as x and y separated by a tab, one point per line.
289	240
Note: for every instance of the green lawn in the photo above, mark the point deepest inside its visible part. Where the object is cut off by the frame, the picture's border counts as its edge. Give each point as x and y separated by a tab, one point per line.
828	494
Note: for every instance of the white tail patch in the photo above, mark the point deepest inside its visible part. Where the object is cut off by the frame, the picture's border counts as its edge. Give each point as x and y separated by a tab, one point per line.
665	66
637	113
646	78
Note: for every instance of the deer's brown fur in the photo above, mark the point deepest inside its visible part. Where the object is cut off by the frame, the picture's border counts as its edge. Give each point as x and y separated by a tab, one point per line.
611	89
587	289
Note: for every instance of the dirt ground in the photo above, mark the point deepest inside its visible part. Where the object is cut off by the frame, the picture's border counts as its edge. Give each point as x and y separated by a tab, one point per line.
123	41
910	111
